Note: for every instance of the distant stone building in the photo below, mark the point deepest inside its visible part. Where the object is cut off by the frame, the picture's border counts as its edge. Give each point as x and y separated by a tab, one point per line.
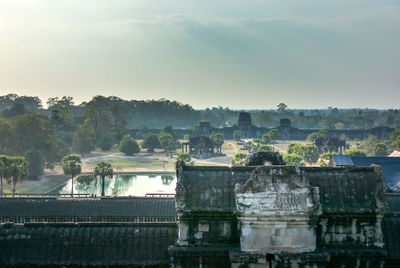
285	130
200	147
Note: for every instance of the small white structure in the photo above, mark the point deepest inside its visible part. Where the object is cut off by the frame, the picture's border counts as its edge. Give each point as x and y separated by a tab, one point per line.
276	210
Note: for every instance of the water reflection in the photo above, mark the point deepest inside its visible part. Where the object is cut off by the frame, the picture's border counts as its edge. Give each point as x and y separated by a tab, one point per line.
123	185
167	179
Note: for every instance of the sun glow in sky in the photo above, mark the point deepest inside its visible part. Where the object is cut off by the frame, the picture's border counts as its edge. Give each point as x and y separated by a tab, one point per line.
241	54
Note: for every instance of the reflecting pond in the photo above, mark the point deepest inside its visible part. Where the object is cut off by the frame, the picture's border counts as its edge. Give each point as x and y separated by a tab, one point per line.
122	185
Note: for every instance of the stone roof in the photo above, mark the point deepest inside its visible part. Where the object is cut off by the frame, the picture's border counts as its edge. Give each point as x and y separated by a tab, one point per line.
86	244
390	166
348	189
121	209
341	188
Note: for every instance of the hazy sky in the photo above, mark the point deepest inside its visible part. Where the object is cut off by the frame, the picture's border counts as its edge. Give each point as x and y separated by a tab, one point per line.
241	54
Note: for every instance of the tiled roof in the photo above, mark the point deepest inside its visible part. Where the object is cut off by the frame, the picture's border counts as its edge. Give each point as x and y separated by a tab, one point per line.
390	166
86	244
87	210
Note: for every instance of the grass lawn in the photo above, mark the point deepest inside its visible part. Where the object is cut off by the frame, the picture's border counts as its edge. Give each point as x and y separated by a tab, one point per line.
44	185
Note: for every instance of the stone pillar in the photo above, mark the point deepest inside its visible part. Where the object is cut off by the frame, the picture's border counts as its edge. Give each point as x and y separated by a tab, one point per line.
277	211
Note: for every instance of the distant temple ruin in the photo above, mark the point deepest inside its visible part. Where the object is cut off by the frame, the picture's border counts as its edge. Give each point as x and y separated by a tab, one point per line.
285	130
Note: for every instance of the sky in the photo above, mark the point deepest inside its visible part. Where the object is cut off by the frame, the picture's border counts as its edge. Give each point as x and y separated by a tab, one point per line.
242	54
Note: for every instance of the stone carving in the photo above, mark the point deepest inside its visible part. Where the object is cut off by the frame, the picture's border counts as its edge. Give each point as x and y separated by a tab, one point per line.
276	209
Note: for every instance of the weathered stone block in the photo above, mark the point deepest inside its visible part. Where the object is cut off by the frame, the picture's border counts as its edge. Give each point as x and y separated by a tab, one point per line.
276	210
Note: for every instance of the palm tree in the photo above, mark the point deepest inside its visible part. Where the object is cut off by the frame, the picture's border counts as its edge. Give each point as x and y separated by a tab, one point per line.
4	170
72	167
17	169
103	169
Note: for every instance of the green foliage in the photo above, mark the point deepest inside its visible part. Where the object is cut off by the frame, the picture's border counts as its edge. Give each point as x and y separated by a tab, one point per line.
237	135
240	159
217	139
186	158
295	148
320	134
83	141
14	111
266	139
282	107
151	142
4	170
394	135
380	149
250	147
106	142
102	170
293	159
310	153
36	163
355	153
186	137
72	166
129	146
326	159
273	134
170	130
265	148
17	169
368	144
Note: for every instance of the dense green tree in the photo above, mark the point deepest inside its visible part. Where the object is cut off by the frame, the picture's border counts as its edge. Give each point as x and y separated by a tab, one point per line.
326	159
250	147
355	153
72	167
170	130
310	153
380	149
4	170
266	139
83	140
240	159
107	142
282	107
217	140
167	142
237	135
265	148
316	135
295	148
151	142
129	146
36	163
186	158
273	134
103	170
18	170
293	159
15	110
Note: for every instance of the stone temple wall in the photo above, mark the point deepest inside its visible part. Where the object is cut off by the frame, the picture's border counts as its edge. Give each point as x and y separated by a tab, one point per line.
282	216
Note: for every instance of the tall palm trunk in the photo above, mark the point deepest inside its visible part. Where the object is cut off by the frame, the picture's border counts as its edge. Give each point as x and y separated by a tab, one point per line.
72	188
1	186
14	182
102	186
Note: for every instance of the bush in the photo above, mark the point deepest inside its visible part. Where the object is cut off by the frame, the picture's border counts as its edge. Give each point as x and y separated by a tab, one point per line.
186	158
151	142
129	146
35	163
265	148
106	142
